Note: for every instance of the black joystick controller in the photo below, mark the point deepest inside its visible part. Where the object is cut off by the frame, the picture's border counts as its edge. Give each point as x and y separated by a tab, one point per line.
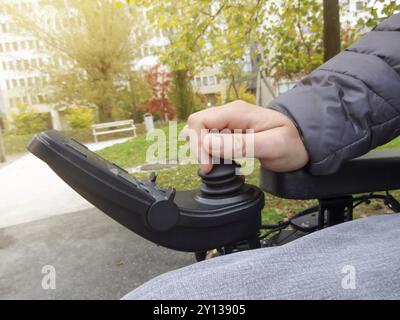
223	211
222	181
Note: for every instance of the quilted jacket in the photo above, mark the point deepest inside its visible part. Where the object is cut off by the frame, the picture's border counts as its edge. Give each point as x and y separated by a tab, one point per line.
351	103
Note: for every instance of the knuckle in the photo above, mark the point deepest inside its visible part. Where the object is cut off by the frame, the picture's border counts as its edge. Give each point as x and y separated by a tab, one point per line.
192	119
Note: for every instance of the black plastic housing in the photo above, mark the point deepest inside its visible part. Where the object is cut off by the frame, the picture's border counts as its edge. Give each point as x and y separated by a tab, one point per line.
185	221
373	172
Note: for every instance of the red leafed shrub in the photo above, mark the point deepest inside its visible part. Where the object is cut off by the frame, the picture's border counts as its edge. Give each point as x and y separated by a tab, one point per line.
160	82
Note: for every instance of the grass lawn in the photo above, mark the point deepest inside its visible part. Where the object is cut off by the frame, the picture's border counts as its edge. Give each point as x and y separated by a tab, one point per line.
133	153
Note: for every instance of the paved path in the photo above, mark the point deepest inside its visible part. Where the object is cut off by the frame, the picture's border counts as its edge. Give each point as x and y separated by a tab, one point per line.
30	190
44	222
94	258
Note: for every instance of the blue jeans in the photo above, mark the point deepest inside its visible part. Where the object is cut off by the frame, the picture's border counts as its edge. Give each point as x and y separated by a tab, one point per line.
354	260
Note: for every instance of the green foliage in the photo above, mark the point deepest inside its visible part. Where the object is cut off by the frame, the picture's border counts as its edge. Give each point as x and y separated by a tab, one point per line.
242	94
292	38
14	144
138	93
181	94
376	15
286	37
97	43
80	117
26	120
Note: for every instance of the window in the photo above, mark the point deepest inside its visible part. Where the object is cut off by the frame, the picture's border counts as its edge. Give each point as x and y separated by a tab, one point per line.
4	65
205	81
25	99
26	64
3	27
11	65
11	102
23	45
40	98
31	44
12	28
359	5
198	82
14	83
8	47
212	80
1	47
34	99
8	84
22	82
30	82
19	65
15	46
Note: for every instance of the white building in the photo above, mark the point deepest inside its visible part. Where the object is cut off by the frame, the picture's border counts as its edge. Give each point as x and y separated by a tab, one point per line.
21	59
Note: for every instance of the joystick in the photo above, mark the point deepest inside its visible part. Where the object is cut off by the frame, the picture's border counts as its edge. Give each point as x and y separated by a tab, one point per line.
221	181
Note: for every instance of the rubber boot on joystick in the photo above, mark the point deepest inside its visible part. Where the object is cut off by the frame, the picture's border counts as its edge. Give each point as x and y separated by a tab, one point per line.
221	181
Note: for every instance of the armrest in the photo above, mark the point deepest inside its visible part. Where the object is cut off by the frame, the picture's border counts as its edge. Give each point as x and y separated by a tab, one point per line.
373	172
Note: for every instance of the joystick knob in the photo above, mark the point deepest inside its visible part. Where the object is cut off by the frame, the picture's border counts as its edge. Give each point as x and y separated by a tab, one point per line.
221	181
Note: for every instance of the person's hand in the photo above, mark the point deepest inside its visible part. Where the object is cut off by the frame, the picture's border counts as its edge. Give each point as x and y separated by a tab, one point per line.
277	142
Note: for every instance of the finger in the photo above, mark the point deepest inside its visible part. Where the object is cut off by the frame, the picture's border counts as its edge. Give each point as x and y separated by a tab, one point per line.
201	156
269	144
225	146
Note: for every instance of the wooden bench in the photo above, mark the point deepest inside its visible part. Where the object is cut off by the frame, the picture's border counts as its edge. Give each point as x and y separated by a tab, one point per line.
107	128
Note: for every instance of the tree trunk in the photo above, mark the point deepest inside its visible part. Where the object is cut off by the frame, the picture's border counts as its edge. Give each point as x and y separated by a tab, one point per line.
105	111
2	149
331	29
183	94
234	88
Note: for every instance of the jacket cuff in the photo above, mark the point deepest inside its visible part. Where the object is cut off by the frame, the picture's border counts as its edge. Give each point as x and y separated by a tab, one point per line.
322	125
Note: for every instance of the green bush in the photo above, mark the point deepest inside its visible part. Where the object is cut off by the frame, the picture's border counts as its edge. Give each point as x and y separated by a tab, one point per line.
243	94
27	121
80	117
14	144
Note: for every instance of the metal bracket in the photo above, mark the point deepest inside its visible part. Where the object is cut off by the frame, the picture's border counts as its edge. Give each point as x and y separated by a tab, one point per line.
334	211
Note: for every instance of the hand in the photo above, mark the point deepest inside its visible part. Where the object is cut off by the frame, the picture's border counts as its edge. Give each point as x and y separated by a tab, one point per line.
277	142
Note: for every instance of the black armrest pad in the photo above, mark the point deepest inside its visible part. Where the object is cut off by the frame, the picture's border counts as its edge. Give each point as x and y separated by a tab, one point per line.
375	171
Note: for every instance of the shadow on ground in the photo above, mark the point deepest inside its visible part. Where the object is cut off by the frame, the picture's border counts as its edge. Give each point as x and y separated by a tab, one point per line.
94	258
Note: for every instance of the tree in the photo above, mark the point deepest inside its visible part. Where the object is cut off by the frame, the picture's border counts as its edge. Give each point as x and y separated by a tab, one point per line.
160	82
97	40
285	36
241	93
292	38
331	29
378	10
183	23
181	94
137	93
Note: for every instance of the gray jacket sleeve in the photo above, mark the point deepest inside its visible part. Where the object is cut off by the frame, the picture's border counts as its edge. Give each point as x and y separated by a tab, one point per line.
350	104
